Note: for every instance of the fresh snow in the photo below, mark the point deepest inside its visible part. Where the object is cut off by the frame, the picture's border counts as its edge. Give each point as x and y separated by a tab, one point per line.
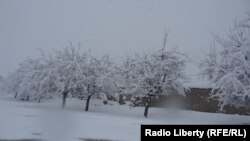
47	121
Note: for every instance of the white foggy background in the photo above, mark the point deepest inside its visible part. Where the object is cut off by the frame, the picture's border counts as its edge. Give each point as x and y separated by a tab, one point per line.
114	27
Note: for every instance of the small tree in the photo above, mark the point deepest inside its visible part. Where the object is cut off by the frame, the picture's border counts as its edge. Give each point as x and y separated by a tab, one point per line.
227	66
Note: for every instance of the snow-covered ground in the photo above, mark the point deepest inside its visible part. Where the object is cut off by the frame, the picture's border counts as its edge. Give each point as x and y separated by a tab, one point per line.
47	121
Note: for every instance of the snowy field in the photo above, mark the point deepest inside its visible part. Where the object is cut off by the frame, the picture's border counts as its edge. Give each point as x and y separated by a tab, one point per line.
47	121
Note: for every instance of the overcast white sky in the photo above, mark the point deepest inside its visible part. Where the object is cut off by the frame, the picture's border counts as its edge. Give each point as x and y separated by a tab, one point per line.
114	27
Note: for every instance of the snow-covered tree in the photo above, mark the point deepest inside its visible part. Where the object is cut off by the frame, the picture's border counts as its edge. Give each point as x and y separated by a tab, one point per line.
99	77
32	80
92	75
15	79
29	87
227	66
161	73
108	76
154	74
69	72
79	74
128	80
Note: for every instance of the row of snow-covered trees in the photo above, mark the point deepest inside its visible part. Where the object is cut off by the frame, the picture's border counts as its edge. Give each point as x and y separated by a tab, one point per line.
63	72
72	73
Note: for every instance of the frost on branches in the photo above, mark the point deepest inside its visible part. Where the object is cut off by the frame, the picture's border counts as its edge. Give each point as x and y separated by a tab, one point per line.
228	66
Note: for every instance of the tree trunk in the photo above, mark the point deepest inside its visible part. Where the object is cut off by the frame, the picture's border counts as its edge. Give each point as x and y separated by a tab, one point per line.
146	111
87	103
64	98
164	78
15	96
147	105
27	98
